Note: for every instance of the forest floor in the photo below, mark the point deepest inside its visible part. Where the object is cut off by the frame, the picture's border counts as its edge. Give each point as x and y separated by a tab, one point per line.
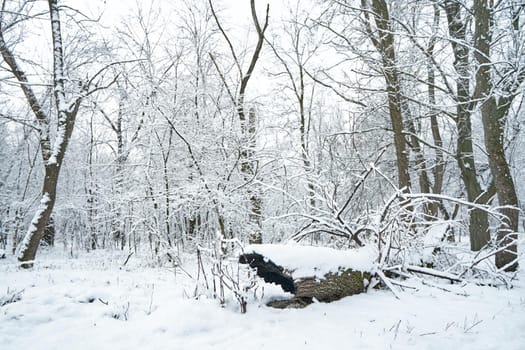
92	302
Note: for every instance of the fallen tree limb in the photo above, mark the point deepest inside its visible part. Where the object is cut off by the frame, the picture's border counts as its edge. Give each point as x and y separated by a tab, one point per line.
432	272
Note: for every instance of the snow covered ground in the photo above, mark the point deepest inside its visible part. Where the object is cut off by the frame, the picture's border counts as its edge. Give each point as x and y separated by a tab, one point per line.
92	303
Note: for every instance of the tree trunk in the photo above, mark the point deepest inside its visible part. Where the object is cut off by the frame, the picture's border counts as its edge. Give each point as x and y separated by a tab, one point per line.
90	192
167	212
479	225
438	169
248	168
119	234
421	166
332	287
54	156
493	114
494	128
49	233
383	41
41	218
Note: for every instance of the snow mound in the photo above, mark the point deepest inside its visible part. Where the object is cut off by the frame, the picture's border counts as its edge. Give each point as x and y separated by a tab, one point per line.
308	261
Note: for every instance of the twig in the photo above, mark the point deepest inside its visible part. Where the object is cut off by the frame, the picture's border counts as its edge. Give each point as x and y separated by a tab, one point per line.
435	273
427	283
434	285
473	325
403	285
360	183
127	259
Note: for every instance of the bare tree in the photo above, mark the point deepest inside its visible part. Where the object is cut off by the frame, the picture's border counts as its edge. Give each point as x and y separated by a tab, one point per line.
457	26
439	166
496	92
248	166
65	110
383	39
294	50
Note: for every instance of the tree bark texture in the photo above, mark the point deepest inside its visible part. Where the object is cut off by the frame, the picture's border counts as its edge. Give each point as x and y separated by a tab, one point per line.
383	41
48	237
438	169
332	287
493	113
478	226
248	169
493	126
35	232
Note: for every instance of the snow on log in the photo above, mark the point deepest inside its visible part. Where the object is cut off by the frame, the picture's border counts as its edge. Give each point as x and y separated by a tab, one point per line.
319	273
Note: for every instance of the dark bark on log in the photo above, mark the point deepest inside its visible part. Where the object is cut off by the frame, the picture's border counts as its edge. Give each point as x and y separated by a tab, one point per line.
269	271
333	286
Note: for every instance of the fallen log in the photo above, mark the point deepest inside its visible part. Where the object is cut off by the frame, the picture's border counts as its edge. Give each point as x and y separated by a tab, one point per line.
326	287
333	286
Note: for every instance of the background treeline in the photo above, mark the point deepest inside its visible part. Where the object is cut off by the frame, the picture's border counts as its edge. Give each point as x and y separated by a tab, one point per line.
304	119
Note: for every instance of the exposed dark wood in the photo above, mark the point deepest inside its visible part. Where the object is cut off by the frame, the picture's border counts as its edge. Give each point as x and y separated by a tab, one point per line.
269	271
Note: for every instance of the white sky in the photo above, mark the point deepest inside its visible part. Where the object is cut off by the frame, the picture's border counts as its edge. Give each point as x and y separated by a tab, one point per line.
234	11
